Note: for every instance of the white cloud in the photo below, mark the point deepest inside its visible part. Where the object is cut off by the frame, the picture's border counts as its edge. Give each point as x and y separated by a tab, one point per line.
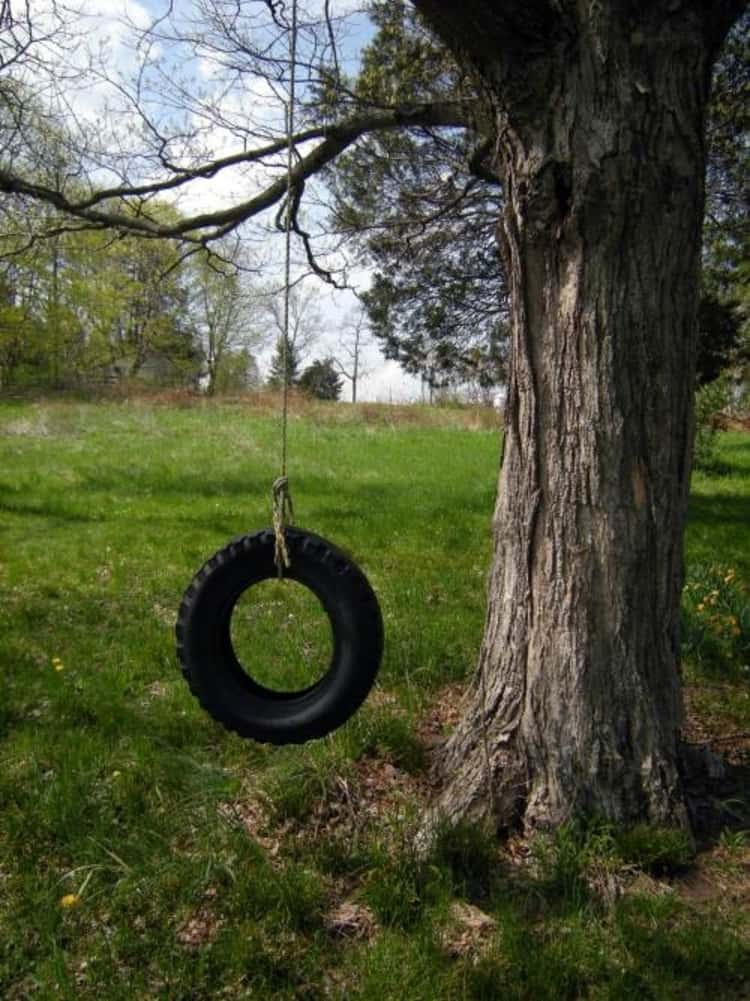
390	384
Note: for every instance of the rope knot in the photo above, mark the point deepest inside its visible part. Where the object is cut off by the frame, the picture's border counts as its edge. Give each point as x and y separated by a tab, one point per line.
283	514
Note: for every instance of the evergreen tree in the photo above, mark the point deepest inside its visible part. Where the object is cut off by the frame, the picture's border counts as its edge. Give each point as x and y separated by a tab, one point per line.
276	374
321	380
438	303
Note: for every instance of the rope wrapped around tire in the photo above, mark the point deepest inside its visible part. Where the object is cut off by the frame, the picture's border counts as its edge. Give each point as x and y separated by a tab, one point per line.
217	678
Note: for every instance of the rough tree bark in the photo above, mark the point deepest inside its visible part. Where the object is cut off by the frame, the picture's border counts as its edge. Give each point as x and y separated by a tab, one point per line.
599	112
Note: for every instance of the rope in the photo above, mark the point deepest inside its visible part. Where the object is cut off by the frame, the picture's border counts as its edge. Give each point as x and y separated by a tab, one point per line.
283	510
283	513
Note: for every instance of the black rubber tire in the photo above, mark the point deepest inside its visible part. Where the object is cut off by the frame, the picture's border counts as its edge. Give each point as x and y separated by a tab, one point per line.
215	675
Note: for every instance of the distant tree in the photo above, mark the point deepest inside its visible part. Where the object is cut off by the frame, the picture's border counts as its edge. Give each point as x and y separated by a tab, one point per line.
83	303
237	372
21	330
301	329
423	207
276	375
726	229
351	343
321	380
153	322
227	318
725	306
305	322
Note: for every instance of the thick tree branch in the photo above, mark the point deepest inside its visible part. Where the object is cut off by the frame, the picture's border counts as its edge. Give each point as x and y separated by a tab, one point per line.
334	140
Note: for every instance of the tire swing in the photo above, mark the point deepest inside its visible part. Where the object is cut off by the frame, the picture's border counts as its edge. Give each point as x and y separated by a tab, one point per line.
224	687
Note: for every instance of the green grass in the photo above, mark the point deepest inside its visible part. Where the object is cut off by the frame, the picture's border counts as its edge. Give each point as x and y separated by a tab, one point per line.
719	515
716	604
116	788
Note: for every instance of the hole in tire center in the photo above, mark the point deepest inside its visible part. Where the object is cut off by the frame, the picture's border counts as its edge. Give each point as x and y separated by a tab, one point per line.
281	635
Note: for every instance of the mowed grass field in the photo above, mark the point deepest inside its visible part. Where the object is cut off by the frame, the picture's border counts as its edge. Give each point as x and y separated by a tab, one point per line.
146	853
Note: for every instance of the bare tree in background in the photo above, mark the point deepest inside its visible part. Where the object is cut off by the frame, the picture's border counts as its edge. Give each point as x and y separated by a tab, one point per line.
305	321
352	340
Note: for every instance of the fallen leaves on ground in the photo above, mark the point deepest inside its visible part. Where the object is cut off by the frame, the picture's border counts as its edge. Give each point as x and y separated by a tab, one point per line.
351	920
202	927
469	931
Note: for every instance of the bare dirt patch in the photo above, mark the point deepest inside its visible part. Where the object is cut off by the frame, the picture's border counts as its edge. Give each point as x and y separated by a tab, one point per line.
720	878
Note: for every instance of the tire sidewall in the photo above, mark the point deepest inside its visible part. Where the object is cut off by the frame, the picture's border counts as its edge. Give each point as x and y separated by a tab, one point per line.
214	672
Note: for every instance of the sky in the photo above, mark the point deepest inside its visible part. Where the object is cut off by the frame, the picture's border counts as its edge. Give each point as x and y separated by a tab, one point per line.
109	38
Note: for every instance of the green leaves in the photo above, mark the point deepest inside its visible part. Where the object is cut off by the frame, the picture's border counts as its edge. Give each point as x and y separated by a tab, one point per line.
321	380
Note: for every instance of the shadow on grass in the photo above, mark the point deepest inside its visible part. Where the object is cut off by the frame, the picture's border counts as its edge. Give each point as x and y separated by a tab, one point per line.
155	483
50	511
358	497
111	717
226	526
708	509
554	936
718	467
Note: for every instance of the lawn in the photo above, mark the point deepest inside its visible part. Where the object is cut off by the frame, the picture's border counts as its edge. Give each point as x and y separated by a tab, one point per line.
145	853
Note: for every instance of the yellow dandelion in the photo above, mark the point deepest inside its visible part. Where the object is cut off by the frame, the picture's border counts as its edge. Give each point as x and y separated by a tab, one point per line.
701	607
730	577
70	900
59	666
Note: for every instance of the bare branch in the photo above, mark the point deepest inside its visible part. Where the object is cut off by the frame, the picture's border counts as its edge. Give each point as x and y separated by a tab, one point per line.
334	140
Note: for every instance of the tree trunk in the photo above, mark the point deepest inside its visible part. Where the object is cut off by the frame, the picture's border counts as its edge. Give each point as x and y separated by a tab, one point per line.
576	707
